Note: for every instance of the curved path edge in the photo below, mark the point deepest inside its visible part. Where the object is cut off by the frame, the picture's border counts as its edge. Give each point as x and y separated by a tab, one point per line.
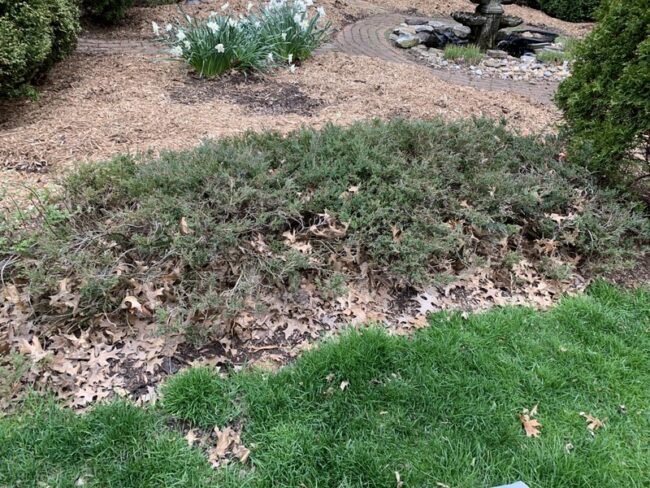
369	37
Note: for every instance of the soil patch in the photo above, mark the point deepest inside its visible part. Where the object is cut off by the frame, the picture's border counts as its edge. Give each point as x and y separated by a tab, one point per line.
258	94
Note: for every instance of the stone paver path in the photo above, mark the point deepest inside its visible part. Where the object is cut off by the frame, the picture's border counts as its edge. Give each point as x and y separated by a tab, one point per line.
89	45
367	37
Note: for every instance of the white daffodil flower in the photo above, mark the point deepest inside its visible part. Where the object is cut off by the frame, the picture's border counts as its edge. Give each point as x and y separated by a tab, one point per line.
169	27
321	11
156	28
213	26
225	6
220	48
290	58
176	51
180	35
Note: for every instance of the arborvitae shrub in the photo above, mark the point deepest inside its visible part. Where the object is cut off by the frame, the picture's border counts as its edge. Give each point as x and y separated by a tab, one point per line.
606	101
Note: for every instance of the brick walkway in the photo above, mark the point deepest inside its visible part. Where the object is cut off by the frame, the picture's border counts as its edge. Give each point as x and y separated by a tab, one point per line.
367	37
89	45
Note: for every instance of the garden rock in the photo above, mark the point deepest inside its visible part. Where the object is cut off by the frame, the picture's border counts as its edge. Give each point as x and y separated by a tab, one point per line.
416	20
406	41
496	53
459	30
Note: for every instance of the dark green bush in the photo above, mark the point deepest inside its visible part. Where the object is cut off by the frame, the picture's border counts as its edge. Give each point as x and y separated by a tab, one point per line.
570	10
607	100
34	34
107	11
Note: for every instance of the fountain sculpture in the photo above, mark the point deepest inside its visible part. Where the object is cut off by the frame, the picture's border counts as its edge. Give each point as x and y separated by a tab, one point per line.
486	21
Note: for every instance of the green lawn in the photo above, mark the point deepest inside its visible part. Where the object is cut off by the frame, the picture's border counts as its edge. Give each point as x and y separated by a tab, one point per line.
441	407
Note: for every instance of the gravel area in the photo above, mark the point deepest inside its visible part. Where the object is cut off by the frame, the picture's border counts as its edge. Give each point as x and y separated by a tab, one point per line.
526	68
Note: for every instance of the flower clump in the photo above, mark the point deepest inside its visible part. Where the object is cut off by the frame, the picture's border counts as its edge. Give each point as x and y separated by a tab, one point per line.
279	33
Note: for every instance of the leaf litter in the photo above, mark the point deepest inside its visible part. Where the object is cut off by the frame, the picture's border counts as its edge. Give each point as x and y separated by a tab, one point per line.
129	352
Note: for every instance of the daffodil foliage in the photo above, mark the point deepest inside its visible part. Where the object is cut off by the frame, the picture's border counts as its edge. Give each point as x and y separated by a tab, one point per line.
279	33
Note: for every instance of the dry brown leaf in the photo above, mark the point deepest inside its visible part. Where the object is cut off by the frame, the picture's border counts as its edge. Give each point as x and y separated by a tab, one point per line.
33	349
593	423
11	294
65	298
397	234
531	426
132	304
185	229
242	453
228	442
191	437
328	228
225	437
260	245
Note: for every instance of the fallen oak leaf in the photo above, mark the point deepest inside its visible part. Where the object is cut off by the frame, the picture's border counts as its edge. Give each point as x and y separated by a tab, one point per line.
132	304
531	426
593	423
33	349
224	439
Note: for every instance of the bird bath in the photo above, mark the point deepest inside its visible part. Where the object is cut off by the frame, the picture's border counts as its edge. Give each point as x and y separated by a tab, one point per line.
486	21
